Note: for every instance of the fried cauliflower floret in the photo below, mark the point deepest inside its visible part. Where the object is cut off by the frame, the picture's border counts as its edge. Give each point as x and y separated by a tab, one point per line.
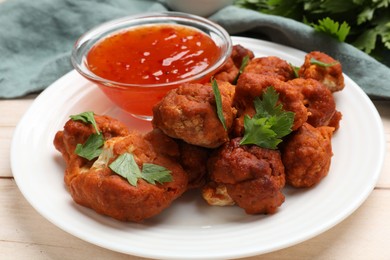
335	120
271	66
250	176
228	72
318	99
189	113
331	76
94	185
193	159
76	132
231	68
250	86
239	53
306	155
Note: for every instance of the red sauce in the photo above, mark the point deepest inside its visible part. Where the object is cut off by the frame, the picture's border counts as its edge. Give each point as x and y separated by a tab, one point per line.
153	54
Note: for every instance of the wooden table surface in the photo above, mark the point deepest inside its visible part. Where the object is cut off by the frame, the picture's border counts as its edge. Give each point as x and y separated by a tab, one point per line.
25	234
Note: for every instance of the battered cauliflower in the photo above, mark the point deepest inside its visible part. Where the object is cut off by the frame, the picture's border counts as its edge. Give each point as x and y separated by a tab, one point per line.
189	113
94	185
248	175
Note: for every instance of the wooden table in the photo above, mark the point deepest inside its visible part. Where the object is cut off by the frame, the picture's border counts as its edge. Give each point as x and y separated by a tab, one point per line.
25	234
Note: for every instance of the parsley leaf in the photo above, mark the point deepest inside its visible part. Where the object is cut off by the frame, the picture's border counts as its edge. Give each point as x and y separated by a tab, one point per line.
92	148
153	173
244	63
126	167
333	28
86	117
364	24
322	64
218	103
269	124
295	70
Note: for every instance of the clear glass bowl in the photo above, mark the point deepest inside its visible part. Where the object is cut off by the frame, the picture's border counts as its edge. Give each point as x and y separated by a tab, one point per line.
127	96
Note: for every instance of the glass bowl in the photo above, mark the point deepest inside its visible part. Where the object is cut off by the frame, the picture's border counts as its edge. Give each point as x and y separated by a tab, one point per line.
138	99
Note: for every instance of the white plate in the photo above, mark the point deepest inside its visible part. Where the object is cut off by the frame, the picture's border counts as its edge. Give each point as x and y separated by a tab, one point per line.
190	229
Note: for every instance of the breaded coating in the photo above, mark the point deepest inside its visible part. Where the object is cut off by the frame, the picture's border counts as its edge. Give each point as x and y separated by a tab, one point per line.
271	66
231	68
252	85
253	177
193	159
331	76
318	99
238	54
307	154
228	72
94	185
189	113
335	120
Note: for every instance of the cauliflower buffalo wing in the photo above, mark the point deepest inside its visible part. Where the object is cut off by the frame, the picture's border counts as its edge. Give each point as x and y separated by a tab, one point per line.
271	66
252	85
94	185
318	99
189	113
307	154
248	175
230	70
323	68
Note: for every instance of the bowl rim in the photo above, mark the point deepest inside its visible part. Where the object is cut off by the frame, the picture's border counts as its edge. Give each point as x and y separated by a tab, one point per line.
176	16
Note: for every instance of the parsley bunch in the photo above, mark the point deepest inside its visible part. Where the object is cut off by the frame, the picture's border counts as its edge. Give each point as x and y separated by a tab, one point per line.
362	23
270	123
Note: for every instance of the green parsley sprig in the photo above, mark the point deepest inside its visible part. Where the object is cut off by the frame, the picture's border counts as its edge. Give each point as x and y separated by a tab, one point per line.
92	148
333	28
270	123
295	70
244	63
86	117
126	167
218	103
322	64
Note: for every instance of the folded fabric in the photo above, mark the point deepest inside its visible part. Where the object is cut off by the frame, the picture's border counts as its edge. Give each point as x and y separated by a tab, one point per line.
36	38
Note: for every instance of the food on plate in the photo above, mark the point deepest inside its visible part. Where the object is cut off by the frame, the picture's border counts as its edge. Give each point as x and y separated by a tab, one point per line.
234	64
95	184
259	125
323	68
251	85
307	154
318	100
228	72
271	66
194	159
239	53
188	113
252	177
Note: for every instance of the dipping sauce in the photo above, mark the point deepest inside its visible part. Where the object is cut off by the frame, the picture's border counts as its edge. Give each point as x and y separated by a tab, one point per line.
149	56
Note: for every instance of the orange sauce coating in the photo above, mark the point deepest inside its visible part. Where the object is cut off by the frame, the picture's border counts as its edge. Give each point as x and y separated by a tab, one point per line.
151	54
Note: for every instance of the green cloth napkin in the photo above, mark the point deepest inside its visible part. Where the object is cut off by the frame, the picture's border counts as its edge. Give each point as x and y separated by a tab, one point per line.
36	38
